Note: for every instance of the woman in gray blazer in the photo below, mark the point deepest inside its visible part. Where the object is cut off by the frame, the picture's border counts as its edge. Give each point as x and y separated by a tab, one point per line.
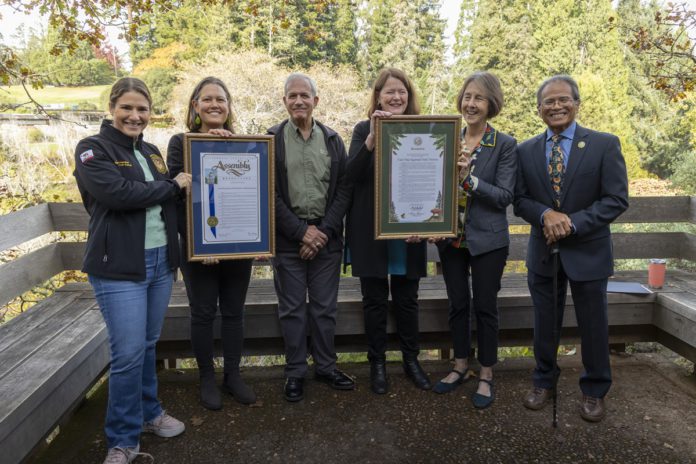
488	165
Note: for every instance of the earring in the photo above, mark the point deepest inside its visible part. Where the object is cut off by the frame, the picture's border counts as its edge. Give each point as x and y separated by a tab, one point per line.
197	120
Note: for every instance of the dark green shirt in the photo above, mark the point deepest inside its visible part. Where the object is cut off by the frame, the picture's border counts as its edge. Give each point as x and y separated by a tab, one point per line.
309	171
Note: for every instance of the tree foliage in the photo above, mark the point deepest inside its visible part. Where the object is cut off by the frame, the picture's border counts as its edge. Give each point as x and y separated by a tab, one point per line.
668	42
255	81
85	65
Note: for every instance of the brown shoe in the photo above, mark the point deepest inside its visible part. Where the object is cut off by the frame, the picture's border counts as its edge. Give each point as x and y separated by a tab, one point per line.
537	398
592	409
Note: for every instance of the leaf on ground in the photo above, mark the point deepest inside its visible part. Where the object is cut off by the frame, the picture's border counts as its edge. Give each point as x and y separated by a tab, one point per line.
197	421
667	445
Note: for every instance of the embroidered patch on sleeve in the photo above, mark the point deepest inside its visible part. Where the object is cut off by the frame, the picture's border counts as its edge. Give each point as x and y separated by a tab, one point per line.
86	156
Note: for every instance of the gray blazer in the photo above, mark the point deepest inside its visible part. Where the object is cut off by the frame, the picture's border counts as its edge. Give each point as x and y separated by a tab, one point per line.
495	167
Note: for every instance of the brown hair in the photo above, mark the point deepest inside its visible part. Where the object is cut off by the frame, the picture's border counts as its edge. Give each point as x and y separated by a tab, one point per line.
191	113
411	108
491	85
125	85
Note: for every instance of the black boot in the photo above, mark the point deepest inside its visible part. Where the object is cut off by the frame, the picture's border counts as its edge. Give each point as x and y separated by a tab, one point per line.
378	377
235	386
210	395
415	372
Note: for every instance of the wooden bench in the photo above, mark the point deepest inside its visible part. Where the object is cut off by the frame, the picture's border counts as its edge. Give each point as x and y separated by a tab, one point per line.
52	354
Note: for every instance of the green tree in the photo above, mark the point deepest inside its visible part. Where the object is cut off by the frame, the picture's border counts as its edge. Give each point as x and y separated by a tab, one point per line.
409	36
79	66
499	38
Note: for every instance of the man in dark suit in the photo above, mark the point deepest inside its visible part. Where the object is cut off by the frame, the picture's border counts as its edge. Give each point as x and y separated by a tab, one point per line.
571	185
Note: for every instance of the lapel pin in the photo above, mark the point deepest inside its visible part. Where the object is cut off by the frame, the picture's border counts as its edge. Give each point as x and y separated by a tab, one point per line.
581	144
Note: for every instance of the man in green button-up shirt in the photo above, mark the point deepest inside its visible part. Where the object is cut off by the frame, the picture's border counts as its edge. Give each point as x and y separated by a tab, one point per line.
312	195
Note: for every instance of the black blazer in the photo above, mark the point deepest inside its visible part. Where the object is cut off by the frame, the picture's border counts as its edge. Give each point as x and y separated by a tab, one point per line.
367	255
486	219
595	193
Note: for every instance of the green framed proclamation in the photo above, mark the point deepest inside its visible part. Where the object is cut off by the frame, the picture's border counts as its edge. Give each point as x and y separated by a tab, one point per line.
416	176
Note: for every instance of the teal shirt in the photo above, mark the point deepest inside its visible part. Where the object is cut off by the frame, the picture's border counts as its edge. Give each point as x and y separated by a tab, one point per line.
155	233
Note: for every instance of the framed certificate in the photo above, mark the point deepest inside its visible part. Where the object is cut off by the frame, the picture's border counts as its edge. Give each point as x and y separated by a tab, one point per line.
416	176
230	212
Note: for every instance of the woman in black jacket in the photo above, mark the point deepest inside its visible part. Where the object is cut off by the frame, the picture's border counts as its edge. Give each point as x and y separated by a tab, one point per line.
210	281
130	260
375	261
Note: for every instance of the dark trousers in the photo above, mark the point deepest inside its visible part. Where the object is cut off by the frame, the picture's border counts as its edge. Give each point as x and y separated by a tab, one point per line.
404	292
486	271
590	300
307	291
226	283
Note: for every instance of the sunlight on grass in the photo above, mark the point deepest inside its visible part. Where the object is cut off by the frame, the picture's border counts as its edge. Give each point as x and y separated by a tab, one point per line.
57	95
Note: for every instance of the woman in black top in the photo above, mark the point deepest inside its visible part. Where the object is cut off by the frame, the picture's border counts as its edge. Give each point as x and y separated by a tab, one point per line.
210	281
375	260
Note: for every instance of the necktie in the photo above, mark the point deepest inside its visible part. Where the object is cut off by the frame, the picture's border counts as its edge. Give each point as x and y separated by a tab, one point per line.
556	168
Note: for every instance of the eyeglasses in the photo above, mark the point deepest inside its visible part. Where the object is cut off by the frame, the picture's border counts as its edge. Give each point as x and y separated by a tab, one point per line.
550	102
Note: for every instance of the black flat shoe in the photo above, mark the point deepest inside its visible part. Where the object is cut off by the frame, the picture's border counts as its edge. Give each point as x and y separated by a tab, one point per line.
445	387
294	389
415	372
481	401
378	377
336	380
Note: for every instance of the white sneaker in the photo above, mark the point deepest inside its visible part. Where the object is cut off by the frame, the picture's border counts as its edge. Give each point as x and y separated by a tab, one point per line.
118	455
164	426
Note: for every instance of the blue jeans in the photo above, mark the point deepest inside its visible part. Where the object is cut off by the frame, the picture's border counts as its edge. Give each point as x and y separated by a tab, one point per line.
133	312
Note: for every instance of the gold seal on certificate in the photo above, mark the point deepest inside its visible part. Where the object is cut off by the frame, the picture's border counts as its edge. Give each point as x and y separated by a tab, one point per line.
230	205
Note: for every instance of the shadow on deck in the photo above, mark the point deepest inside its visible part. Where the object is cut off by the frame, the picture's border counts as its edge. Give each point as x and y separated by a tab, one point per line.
651	407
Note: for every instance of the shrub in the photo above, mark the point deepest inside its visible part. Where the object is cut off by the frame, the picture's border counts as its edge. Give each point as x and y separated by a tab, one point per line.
86	106
684	172
161	82
34	135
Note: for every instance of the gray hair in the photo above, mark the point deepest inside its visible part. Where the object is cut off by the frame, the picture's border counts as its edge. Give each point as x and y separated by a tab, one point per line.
560	78
306	78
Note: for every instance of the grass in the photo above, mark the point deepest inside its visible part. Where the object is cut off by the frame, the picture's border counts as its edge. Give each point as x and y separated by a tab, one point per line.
54	95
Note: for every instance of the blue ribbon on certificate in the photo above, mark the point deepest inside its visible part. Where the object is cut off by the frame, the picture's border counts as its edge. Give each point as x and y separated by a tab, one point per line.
211	204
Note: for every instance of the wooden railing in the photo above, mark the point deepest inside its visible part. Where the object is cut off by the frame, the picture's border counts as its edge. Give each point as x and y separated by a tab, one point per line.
28	271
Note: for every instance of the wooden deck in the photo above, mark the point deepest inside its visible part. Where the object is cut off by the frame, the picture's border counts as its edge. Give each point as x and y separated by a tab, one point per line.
52	354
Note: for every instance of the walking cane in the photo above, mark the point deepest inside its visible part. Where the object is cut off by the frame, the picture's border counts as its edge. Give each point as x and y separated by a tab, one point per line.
556	332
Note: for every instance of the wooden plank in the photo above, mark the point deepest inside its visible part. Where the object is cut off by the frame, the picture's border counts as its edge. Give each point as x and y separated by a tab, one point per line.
69	216
25	273
15	329
24	225
652	210
628	245
39	391
675	314
71	254
36	335
688	247
72	216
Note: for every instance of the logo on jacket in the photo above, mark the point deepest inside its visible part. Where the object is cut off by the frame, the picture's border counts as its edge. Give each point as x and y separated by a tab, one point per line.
159	163
86	156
